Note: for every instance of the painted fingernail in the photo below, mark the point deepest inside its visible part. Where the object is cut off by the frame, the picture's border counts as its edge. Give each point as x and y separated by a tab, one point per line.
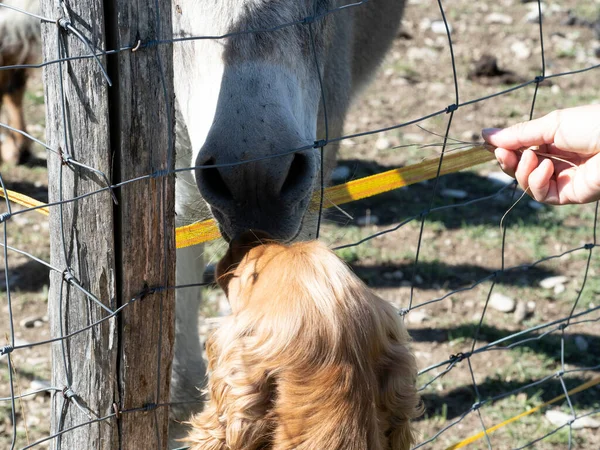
487	132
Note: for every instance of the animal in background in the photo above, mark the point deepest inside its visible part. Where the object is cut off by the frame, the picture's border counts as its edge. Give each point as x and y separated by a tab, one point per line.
310	358
19	45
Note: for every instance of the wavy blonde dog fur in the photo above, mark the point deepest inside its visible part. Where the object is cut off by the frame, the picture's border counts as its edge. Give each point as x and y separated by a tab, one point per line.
310	359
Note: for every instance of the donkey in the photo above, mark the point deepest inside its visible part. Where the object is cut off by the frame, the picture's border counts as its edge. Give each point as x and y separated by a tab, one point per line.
249	96
19	44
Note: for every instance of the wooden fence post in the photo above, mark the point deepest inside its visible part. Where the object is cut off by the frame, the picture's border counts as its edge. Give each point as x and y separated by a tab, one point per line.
115	252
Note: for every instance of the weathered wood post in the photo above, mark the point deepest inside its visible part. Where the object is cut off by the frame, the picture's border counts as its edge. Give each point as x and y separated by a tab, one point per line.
116	374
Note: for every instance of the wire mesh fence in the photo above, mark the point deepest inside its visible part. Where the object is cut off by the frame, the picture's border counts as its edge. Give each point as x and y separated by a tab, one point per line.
477	350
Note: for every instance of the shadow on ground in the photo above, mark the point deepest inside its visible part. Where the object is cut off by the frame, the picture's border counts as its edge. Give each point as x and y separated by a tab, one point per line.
401	204
437	274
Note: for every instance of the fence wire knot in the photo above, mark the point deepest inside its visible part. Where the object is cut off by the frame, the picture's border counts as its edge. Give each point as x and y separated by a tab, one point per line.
589	246
5	216
451	108
320	144
68	393
68	276
65	157
6	350
476	406
403	311
160	173
150	406
64	23
459	357
539	79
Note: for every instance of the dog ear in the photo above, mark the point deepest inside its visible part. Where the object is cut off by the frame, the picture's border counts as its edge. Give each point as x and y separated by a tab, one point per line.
238	248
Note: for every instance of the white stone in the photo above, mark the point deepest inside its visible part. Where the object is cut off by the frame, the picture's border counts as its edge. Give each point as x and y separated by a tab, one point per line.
559	289
520	50
439	27
581	343
559	419
417	316
532	16
500	178
395	275
340	173
531	306
367	220
550	282
502	303
454	193
37	385
382	143
499	18
521	312
421	54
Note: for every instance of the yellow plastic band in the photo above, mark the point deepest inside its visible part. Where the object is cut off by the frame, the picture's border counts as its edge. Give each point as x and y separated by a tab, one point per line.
593	382
200	232
25	201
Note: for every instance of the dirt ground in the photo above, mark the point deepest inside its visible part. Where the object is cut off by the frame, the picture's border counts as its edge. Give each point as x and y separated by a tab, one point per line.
496	46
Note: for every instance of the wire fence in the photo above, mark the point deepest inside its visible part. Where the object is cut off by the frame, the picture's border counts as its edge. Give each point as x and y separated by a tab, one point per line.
444	369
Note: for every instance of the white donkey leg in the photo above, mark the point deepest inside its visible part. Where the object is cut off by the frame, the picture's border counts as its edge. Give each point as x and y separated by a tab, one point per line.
189	370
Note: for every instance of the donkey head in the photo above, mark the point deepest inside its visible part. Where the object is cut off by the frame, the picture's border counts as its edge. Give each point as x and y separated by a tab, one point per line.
251	103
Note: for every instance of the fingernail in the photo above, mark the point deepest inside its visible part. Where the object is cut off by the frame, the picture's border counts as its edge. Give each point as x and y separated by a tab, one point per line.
487	132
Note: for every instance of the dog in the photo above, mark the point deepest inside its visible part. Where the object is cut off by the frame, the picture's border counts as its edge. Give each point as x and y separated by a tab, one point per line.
310	359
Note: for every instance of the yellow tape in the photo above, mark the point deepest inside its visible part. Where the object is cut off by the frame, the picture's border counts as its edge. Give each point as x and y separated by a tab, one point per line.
24	200
593	382
205	231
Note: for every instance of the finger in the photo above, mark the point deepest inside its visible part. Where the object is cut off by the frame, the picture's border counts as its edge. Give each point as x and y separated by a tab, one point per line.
508	160
527	164
535	132
540	182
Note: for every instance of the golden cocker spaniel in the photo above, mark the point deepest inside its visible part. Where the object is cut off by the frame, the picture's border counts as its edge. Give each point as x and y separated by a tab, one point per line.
310	359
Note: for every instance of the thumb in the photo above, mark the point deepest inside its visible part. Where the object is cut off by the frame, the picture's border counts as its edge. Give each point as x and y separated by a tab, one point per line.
525	134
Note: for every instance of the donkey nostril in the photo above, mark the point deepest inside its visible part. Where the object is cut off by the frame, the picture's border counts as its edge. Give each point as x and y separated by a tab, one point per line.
213	181
297	174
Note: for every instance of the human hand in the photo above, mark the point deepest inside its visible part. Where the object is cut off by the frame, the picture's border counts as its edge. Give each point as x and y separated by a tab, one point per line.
566	168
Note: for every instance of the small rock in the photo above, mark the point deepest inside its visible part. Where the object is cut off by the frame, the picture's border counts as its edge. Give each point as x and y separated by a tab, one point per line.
559	289
559	419
454	193
532	16
499	18
382	143
521	312
340	173
417	316
32	421
581	343
32	322
550	282
367	220
520	50
500	178
37	385
502	303
421	54
531	306
470	136
418	279
395	275
439	27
